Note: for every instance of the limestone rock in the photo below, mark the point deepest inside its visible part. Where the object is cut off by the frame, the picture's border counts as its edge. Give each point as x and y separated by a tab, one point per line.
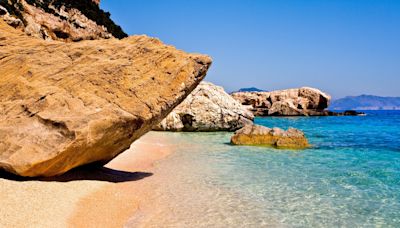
63	105
9	19
264	136
284	108
291	102
207	108
66	20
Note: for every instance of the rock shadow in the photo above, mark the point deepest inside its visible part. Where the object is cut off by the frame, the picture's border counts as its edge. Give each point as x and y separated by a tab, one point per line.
84	173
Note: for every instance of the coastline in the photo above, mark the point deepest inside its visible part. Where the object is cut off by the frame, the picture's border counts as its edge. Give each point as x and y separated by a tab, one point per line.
205	182
104	197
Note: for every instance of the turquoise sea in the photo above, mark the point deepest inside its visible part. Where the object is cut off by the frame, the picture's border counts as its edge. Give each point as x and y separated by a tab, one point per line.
349	178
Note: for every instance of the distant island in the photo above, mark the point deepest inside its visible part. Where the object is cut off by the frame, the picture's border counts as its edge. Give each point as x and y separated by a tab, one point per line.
366	102
251	89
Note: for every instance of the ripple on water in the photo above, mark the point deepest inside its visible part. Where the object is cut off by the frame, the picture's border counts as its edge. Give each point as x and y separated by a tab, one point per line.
351	177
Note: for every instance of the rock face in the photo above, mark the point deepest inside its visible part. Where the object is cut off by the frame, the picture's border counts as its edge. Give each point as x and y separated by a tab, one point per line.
264	136
207	108
63	105
66	20
291	102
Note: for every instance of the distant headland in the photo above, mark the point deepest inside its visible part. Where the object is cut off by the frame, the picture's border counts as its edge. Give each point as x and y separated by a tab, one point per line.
366	102
251	89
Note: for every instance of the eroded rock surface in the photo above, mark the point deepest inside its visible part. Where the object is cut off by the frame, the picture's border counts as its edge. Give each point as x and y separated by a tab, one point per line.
264	136
63	105
291	102
66	20
207	108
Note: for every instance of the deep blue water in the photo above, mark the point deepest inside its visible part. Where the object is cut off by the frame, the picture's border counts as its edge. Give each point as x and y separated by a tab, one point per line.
349	178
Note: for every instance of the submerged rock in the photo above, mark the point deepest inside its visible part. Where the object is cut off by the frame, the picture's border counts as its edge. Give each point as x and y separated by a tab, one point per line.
63	105
207	108
66	20
303	101
264	136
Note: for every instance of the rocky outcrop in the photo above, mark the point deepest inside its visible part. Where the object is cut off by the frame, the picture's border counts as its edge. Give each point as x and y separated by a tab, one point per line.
66	20
264	136
9	19
207	108
63	105
291	102
345	113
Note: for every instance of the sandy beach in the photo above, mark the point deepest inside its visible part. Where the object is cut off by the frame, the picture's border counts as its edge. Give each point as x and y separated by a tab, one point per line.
85	197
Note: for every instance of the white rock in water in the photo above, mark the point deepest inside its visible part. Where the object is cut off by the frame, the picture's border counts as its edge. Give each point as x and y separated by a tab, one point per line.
289	102
207	108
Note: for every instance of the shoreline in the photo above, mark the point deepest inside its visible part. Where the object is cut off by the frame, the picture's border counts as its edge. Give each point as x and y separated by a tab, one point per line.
101	197
113	205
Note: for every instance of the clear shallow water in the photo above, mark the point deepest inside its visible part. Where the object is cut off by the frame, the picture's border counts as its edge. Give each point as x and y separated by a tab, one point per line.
350	178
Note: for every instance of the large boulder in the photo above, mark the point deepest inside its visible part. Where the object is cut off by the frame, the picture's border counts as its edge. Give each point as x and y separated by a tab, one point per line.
207	108
63	105
284	108
303	101
257	135
65	20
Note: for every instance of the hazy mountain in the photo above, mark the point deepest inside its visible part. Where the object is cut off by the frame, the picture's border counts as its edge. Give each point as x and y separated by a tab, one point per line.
366	102
251	89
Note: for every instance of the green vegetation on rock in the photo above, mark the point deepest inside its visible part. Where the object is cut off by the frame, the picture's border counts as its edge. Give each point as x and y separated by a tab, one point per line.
90	9
14	7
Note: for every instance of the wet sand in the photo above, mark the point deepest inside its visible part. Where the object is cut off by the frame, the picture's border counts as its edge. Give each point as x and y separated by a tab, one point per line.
86	197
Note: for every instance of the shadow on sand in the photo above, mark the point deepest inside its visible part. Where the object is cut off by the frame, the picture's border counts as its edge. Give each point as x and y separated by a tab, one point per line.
84	173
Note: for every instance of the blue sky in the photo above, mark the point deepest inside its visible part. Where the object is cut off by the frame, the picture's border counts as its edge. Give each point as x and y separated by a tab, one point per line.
346	47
